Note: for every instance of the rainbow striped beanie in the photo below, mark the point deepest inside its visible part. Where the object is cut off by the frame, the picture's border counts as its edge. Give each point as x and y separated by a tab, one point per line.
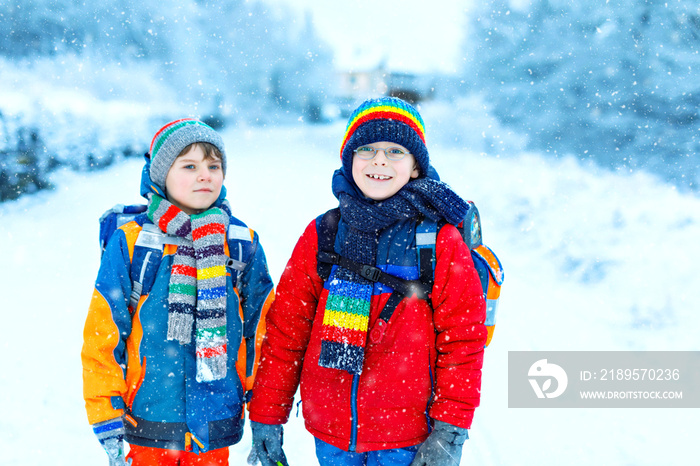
386	119
172	138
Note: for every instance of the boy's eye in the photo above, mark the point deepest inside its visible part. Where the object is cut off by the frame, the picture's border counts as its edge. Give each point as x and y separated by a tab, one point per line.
394	151
215	167
189	166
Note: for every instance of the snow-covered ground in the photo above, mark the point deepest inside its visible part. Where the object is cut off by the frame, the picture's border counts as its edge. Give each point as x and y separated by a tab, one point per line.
593	261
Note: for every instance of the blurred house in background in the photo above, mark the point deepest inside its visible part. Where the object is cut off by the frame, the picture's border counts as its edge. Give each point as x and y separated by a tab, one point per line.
359	84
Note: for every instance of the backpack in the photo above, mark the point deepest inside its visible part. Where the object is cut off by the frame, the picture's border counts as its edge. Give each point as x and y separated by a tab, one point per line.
148	249
485	260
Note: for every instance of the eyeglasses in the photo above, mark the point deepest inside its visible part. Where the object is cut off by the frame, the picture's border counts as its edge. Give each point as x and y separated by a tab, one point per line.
392	153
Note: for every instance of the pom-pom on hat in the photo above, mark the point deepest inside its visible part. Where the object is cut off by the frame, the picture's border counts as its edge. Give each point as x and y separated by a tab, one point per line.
386	119
172	138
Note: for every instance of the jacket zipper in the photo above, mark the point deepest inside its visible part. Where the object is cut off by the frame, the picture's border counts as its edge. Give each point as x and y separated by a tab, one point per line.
432	393
353	410
130	403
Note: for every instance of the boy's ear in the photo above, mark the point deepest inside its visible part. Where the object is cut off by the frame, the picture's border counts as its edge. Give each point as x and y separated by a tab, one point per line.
415	172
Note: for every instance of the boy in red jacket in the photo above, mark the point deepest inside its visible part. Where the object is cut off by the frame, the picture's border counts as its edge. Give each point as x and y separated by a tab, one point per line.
392	391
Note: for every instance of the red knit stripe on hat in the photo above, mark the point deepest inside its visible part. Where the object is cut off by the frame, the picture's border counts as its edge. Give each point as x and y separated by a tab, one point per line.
384	105
165	128
382	115
390	115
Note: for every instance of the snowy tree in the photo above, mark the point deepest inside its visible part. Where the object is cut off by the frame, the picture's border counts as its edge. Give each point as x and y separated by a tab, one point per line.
208	50
613	81
219	60
111	28
307	74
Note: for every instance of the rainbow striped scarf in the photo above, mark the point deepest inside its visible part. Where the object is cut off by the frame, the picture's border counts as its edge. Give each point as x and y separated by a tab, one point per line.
197	290
345	321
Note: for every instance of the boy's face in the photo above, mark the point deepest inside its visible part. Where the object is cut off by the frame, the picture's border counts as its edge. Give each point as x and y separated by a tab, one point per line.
194	183
381	178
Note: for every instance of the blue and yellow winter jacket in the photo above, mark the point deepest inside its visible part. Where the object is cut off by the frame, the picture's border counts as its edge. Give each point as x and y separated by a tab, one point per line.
131	370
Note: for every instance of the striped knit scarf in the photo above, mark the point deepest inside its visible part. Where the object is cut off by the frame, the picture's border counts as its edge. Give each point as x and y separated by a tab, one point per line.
197	290
346	316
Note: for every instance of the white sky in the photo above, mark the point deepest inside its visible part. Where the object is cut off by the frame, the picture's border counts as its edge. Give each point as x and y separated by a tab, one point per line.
412	35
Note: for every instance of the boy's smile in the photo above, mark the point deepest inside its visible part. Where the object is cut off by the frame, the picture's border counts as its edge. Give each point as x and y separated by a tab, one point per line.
380	178
194	183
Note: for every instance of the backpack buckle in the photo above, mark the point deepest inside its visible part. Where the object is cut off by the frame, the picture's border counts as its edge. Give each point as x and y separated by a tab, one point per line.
370	273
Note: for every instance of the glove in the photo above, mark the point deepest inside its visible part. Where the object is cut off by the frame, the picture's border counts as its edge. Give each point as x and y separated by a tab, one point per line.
111	435
442	447
267	445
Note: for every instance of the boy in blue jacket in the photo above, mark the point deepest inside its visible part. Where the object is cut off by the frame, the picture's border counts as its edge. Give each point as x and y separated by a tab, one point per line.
168	370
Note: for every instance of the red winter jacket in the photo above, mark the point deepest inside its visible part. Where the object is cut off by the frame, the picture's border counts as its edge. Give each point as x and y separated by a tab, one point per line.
428	362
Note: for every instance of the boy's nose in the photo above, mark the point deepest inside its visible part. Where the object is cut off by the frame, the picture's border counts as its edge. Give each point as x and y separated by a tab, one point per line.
379	160
204	174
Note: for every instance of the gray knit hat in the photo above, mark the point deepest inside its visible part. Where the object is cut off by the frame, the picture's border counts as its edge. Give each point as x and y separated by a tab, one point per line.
172	138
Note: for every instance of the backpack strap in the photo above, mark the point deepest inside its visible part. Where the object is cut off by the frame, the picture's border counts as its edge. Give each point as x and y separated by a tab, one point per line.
326	230
153	237
491	275
114	218
137	283
374	274
148	252
470	227
426	237
240	249
487	265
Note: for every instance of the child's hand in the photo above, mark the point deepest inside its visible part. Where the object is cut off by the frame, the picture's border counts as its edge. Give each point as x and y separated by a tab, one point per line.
443	446
115	452
111	435
267	445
